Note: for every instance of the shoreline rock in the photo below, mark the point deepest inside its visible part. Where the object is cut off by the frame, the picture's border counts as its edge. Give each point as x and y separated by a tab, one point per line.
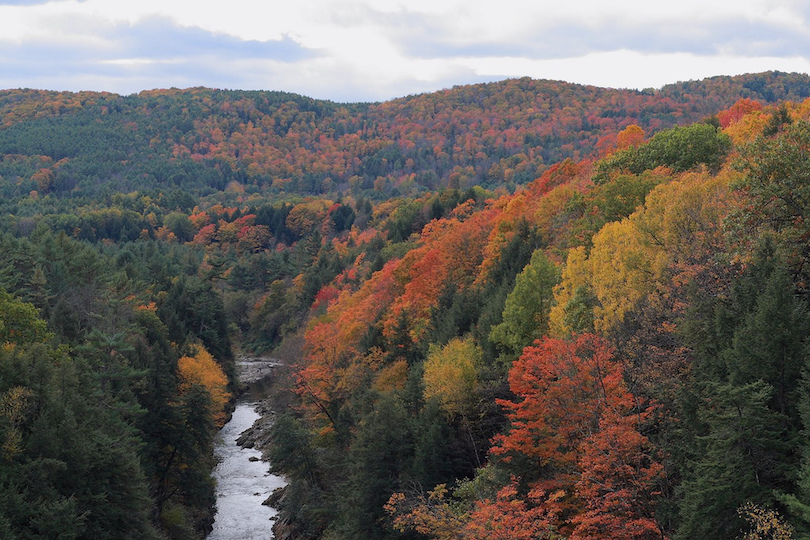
252	369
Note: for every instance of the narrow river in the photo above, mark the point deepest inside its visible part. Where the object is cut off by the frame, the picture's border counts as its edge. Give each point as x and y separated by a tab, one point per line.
242	484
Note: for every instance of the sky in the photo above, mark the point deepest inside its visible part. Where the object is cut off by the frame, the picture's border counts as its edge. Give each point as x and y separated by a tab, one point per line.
374	50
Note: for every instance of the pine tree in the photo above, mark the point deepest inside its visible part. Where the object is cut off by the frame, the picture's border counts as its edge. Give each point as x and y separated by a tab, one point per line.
740	408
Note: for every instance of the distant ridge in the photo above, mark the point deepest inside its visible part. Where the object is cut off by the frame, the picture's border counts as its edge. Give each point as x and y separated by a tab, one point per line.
201	140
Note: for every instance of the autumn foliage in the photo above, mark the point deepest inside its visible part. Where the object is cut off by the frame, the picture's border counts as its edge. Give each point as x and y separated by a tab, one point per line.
203	370
576	420
525	309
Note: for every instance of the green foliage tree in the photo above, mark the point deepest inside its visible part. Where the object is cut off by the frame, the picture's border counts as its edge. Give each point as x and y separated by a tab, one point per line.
776	193
525	314
179	224
378	453
679	148
20	322
736	460
76	471
742	415
193	308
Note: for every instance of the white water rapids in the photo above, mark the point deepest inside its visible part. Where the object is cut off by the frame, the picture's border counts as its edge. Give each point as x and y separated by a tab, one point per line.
242	484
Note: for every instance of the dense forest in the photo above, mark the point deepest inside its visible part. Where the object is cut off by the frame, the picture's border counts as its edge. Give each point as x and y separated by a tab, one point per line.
525	309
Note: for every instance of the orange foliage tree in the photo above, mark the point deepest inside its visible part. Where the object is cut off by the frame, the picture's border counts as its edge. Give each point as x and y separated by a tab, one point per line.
510	517
334	362
201	369
452	252
630	137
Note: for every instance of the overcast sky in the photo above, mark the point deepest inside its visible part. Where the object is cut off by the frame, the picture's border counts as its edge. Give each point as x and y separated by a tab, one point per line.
372	50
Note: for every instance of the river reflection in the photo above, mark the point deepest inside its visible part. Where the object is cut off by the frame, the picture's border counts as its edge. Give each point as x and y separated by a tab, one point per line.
242	484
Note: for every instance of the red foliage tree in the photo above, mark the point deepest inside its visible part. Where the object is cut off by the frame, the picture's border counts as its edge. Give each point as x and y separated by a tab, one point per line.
576	418
511	518
737	111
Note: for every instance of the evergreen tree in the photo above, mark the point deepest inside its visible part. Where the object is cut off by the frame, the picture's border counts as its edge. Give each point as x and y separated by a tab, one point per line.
739	457
375	460
740	408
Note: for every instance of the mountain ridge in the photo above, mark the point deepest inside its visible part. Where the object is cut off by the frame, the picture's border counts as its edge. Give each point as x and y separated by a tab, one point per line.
493	134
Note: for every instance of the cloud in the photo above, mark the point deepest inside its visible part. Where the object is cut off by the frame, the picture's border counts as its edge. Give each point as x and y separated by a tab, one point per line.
23	2
350	50
160	38
127	58
426	36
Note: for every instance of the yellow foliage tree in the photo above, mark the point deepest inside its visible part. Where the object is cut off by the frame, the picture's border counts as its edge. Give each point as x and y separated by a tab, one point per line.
621	271
451	375
201	369
664	243
14	404
431	515
575	275
747	128
765	524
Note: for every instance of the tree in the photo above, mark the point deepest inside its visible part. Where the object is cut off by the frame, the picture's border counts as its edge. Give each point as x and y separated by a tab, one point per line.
525	315
574	438
451	375
377	454
200	369
576	276
740	411
451	252
180	225
734	459
776	194
510	517
430	515
70	468
20	322
736	112
766	524
629	137
618	482
192	308
678	148
451	378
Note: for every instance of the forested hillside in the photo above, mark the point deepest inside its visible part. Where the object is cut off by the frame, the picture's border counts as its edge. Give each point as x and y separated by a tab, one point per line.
201	140
525	309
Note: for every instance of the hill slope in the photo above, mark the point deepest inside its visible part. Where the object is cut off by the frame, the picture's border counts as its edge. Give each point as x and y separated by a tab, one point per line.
200	140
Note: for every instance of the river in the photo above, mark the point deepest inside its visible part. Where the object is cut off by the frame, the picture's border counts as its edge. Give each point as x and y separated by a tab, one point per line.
242	485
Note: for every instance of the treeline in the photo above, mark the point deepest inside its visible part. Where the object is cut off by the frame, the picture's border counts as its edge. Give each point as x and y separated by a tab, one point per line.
204	141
